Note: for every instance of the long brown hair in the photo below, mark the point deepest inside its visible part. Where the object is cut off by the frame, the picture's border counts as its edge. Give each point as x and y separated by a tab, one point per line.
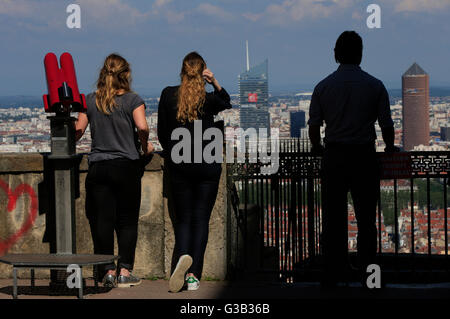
115	75
191	94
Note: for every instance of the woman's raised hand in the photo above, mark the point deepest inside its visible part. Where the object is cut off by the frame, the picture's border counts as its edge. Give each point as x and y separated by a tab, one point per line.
209	77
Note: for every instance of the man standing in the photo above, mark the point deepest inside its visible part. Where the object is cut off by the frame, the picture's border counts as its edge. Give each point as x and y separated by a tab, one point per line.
349	101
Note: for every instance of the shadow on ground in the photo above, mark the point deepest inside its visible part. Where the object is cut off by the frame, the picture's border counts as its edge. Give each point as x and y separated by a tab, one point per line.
158	289
47	291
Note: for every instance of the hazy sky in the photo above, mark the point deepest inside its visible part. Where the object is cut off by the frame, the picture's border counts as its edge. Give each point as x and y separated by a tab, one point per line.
297	36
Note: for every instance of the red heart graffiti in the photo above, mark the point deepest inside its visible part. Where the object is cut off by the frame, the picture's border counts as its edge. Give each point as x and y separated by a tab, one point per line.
5	244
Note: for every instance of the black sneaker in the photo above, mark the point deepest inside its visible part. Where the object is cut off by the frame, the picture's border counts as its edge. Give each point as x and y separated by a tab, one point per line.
109	281
128	281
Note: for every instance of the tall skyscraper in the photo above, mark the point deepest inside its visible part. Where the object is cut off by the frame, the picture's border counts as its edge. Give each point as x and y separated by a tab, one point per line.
297	123
416	97
254	96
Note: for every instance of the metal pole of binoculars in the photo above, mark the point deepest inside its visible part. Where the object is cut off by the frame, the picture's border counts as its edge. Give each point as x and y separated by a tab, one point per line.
64	162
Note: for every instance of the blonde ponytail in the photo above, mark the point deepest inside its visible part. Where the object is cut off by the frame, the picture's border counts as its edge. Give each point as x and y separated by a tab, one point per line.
192	93
115	75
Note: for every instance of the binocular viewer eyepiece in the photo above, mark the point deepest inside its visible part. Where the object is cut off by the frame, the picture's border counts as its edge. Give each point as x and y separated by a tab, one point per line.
63	95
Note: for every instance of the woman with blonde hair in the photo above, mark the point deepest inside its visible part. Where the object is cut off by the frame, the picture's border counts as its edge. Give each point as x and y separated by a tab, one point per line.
194	185
113	184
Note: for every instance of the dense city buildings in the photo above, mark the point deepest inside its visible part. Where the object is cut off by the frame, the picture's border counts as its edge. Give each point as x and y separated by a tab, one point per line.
416	97
27	129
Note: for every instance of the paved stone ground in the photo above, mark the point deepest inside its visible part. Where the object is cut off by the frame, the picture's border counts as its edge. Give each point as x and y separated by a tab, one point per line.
158	289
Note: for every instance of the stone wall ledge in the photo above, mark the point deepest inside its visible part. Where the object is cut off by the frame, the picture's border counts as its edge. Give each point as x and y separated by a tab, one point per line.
19	163
155	234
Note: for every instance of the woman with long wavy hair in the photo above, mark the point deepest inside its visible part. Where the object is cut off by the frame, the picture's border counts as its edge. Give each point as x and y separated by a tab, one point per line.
194	184
113	184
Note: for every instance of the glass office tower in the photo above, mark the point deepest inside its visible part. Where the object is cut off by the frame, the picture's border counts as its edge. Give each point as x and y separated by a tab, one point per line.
297	120
254	97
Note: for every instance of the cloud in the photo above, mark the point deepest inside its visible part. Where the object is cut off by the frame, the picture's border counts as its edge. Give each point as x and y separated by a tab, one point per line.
161	3
287	12
357	16
51	14
297	10
111	10
252	16
421	5
174	17
32	15
161	9
214	11
16	8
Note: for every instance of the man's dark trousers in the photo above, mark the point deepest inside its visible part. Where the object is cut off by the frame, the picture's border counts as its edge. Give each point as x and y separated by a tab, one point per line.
347	168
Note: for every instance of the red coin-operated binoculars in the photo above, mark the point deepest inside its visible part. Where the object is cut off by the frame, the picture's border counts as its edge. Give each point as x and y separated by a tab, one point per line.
63	95
63	98
62	163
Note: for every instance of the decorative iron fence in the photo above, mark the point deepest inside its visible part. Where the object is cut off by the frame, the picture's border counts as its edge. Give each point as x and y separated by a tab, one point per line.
277	218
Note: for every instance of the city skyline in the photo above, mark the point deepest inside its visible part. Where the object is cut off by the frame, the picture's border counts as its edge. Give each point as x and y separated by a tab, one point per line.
296	36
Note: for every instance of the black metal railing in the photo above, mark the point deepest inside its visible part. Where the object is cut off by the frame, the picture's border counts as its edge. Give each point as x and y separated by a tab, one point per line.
277	217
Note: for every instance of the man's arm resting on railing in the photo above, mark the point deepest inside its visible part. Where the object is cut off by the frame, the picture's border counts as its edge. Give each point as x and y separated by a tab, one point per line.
314	137
389	138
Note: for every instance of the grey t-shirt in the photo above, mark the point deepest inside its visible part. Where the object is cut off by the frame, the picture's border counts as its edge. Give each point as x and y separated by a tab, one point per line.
114	135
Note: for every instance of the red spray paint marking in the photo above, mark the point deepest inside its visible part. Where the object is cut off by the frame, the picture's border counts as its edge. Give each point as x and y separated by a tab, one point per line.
5	244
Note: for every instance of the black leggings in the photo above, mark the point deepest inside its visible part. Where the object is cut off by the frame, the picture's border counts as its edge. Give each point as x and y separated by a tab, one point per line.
193	198
113	197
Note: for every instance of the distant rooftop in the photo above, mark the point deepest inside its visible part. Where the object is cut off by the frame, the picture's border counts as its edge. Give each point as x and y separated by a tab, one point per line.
415	69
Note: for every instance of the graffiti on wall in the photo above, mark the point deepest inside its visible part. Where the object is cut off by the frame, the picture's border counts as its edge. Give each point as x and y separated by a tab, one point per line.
13	196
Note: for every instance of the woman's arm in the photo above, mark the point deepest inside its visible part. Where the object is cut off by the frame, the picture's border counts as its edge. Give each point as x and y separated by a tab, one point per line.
209	77
221	97
80	125
143	130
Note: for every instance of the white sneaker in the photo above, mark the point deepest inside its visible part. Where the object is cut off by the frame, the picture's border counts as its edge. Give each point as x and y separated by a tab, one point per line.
176	281
192	283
